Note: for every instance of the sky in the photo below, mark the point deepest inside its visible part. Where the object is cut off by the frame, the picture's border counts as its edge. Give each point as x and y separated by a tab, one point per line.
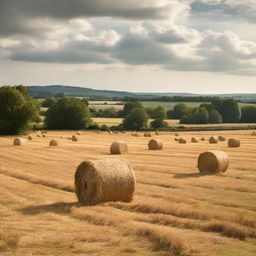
197	46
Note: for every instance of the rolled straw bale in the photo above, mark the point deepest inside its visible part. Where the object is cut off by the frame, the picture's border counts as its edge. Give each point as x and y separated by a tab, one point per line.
213	162
105	180
254	134
221	138
176	139
44	135
119	147
213	140
38	135
157	133
182	141
147	134
234	143
74	138
194	140
30	137
176	134
18	142
202	139
53	143
155	144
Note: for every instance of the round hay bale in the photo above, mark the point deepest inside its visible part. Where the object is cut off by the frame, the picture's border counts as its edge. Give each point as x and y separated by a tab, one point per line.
202	139
234	143
147	134
194	140
119	147
176	134
182	141
213	140
221	138
176	139
38	135
44	135
78	133
30	137
53	143
157	133
155	144
18	142
254	134
105	180
213	162
74	138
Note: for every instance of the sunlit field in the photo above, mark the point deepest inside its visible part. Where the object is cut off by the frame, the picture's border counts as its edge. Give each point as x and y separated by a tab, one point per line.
175	211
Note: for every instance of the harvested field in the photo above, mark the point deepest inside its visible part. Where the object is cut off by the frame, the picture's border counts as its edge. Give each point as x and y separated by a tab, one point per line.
175	210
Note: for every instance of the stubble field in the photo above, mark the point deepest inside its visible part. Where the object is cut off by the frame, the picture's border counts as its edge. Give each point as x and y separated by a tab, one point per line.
175	210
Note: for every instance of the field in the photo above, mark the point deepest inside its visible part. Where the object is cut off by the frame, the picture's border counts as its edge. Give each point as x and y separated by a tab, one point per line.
175	210
153	104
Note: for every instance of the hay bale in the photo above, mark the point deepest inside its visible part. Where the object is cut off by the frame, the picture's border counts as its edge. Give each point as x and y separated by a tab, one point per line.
38	135
194	140
44	135
30	137
182	141
234	143
202	139
176	134
213	140
213	162
53	143
176	139
157	133
147	134
78	133
18	142
74	138
119	147
254	134
104	180
221	138
155	144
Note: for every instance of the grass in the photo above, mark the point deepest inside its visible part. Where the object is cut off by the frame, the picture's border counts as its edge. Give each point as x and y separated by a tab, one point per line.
175	211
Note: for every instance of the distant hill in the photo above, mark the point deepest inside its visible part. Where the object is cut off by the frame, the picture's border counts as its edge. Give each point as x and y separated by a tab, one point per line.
75	91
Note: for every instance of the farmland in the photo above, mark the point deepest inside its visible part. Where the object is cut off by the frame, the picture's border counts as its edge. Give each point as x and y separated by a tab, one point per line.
175	210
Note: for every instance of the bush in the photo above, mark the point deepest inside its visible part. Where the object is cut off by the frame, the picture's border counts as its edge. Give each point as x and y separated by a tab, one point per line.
170	114
248	114
48	102
17	110
196	116
94	126
104	128
158	123
129	107
136	120
69	114
159	113
215	117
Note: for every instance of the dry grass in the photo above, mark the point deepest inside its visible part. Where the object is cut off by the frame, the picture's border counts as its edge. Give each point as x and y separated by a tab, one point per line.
175	208
8	240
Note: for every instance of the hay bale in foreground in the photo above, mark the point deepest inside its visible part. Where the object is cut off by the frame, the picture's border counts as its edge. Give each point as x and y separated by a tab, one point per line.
155	144
30	137
213	162
234	143
221	138
53	143
74	138
119	147
18	142
100	181
194	140
213	140
182	141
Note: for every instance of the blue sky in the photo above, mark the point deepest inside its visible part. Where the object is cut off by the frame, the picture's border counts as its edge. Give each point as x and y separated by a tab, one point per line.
201	46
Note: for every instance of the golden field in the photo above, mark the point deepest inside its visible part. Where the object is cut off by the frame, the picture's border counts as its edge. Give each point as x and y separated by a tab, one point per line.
175	211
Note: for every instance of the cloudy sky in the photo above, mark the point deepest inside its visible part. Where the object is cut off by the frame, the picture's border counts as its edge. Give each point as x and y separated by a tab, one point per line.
200	46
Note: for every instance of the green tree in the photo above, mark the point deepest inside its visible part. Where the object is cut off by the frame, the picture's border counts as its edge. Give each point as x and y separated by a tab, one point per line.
170	114
179	110
158	123
136	120
48	102
248	114
129	107
159	113
208	106
85	101
196	116
69	114
215	117
17	110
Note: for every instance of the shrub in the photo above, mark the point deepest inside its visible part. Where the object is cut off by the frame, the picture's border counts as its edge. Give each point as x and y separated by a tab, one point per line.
68	114
248	114
215	117
159	113
48	102
158	123
129	107
136	120
17	110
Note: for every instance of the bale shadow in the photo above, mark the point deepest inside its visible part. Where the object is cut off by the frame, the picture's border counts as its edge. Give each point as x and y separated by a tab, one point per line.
59	208
189	175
